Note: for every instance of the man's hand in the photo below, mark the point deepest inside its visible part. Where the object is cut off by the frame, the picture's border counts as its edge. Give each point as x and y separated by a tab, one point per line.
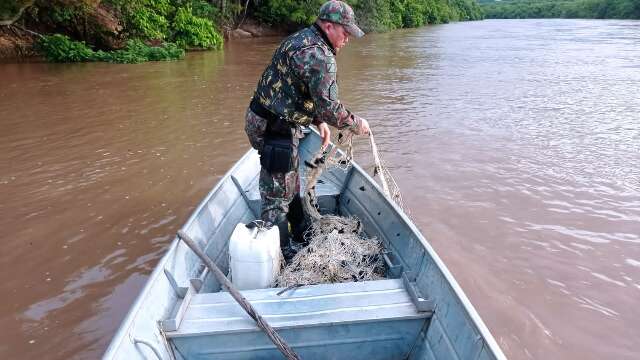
325	134
363	127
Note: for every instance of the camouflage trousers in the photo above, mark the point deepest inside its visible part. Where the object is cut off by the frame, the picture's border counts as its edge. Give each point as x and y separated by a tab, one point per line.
277	190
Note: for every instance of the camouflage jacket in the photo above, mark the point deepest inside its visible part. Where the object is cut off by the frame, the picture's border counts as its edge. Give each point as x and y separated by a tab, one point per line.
300	83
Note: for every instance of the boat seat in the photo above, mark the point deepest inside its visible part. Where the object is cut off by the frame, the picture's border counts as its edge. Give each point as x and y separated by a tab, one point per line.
319	322
327	195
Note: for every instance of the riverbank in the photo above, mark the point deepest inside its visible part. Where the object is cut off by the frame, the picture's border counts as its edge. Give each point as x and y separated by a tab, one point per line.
18	44
84	28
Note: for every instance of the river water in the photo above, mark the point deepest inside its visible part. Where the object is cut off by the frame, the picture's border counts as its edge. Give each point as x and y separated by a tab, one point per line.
516	145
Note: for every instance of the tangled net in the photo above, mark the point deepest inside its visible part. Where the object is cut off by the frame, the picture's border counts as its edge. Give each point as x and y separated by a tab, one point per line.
323	160
337	251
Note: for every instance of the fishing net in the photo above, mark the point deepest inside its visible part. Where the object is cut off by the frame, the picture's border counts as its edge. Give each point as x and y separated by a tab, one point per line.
389	185
323	160
337	250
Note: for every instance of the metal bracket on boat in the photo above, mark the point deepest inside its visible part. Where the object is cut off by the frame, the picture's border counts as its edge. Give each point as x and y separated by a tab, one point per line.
243	193
421	303
173	323
198	282
394	270
181	291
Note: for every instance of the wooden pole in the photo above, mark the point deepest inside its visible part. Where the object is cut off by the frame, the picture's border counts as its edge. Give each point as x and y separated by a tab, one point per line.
378	168
286	350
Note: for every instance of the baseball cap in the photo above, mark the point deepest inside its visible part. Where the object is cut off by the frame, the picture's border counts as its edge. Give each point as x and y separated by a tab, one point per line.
340	13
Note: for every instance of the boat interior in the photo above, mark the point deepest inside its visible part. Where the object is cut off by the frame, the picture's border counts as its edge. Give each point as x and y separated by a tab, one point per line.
417	312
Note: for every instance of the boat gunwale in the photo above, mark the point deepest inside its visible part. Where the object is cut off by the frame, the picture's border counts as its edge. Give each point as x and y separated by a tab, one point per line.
465	302
127	322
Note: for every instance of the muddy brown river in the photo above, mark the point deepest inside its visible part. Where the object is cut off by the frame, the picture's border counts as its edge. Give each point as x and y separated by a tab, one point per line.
516	145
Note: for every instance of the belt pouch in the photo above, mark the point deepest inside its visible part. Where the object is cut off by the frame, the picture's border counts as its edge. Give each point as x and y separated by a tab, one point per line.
276	154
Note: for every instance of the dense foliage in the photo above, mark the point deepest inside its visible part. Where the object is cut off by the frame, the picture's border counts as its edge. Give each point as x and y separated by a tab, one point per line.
288	12
188	23
59	48
131	30
591	9
373	15
382	15
175	24
192	31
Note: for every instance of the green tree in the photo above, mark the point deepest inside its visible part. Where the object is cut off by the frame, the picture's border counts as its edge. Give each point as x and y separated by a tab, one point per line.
595	9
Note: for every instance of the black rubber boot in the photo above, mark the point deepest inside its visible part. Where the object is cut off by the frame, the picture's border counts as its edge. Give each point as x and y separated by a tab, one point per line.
297	220
285	243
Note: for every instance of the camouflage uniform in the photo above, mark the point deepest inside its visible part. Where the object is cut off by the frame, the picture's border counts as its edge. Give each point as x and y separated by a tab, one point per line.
277	190
299	87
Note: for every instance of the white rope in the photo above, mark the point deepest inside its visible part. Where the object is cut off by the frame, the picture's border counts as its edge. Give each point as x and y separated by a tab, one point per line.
389	185
378	168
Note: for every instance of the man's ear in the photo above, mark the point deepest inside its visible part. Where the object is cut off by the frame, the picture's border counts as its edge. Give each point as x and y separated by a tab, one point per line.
329	26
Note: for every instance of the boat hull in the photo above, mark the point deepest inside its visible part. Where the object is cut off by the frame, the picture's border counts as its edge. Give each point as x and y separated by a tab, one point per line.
443	324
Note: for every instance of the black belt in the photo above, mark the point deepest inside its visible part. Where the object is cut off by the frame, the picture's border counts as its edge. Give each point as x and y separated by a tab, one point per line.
276	125
262	111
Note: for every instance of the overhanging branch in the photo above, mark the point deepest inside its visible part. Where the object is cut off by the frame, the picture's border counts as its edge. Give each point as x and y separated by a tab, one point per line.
18	14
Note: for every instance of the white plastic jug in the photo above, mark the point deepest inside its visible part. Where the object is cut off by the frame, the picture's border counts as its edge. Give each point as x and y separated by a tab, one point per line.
254	257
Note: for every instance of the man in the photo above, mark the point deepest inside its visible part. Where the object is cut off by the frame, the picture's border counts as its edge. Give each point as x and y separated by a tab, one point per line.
297	89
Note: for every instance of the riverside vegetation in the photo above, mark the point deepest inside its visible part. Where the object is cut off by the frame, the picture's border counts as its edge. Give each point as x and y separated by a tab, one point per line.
132	31
585	9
